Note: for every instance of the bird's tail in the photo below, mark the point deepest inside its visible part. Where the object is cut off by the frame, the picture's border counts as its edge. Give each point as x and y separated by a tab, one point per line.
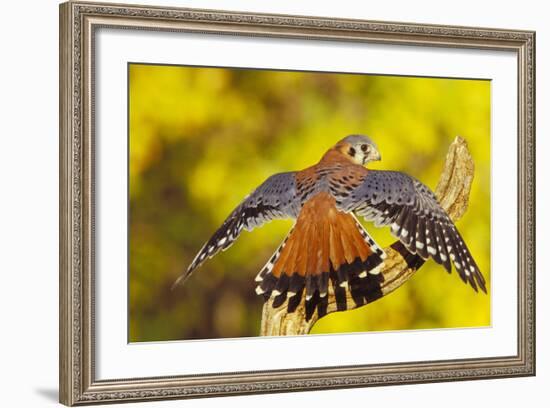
327	250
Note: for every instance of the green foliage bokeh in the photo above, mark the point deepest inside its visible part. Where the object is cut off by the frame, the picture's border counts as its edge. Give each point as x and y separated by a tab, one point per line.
201	139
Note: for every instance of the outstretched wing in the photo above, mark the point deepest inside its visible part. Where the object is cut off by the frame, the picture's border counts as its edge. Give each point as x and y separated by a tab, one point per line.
416	219
275	198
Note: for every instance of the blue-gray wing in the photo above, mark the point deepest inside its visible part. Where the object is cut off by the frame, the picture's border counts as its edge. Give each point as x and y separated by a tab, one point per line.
416	218
275	198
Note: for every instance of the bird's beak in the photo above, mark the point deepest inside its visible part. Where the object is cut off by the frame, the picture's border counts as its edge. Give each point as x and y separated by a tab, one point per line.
375	156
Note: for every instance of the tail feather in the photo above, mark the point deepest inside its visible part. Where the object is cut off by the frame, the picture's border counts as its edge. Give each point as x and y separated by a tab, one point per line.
335	250
349	251
326	249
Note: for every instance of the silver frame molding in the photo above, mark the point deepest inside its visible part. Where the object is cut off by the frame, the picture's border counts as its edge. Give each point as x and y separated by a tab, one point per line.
78	22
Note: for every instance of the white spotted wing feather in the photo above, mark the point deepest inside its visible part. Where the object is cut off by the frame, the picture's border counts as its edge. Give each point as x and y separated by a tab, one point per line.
416	218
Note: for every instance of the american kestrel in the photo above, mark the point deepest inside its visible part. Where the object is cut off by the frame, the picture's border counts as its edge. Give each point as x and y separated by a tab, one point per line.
327	245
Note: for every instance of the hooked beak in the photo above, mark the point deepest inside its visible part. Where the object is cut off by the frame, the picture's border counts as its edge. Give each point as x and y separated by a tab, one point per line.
375	156
371	156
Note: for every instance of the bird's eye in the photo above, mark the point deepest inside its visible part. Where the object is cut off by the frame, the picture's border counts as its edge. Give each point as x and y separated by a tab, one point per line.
364	147
351	151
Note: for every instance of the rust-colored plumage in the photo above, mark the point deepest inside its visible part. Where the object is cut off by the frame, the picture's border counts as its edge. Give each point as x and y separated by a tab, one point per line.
326	243
323	237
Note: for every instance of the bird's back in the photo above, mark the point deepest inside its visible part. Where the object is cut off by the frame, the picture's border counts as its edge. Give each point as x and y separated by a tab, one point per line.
327	248
333	175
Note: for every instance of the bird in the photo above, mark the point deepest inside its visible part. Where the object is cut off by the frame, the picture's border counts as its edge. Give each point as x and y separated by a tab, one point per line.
327	247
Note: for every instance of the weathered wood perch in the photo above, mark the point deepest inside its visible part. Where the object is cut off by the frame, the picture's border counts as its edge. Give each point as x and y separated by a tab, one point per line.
453	191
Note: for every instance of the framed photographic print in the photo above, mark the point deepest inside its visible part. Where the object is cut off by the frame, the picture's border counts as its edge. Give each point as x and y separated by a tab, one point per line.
358	194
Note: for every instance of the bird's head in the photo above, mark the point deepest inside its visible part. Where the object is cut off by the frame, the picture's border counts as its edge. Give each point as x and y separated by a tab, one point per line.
358	148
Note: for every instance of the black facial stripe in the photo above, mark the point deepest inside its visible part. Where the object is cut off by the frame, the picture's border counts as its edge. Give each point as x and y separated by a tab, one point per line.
351	151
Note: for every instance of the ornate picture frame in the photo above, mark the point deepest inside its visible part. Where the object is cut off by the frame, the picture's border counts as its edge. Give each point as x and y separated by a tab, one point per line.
79	23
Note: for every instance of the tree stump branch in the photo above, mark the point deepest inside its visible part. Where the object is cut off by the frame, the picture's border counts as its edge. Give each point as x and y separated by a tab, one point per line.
452	191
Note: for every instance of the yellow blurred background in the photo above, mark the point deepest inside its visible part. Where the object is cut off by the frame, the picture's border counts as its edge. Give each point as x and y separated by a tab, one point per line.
201	139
